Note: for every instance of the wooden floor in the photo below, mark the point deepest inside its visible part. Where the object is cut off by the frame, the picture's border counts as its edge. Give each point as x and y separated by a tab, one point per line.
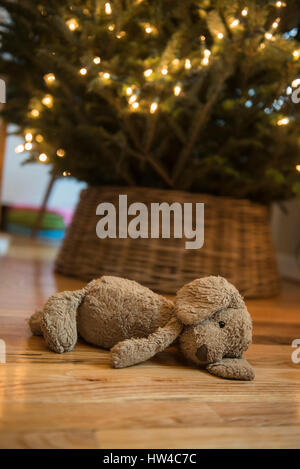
76	400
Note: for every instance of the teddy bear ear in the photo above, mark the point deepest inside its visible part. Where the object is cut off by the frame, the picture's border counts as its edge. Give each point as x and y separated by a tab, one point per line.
201	298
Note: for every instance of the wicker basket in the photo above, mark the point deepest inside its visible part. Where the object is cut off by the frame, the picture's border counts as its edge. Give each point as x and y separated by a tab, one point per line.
237	245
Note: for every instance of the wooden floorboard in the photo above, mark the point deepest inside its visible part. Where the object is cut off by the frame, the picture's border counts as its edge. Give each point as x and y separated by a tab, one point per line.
76	400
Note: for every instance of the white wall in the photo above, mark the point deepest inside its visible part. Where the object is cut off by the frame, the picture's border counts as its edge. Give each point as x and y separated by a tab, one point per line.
27	184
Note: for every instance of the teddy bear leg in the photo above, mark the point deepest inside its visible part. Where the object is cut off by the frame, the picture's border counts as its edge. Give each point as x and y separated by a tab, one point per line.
58	323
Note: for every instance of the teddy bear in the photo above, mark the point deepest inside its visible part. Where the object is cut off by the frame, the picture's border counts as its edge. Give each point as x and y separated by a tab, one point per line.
208	320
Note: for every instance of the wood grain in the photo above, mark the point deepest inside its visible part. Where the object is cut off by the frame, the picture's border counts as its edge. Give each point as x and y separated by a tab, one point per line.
76	400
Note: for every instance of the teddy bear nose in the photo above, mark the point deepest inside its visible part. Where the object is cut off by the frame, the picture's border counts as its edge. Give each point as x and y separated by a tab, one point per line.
202	353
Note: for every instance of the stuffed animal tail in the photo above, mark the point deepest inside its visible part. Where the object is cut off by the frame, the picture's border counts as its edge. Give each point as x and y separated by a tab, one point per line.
57	321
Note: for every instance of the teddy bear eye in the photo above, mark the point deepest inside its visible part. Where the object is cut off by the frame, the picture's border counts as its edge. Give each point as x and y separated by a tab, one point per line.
221	324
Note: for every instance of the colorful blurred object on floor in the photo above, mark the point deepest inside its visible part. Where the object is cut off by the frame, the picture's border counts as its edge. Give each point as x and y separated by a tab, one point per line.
20	220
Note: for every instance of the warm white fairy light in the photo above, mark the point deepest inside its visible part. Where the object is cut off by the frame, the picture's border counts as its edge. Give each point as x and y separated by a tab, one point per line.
97	60
280	4
28	137
284	121
111	27
276	23
148	72
106	76
132	99
39	138
129	91
43	157
72	24
66	173
47	100
298	167
148	29
153	108
108	9
28	146
61	152
135	105
220	35
245	11
205	61
121	34
187	64
175	62
234	23
207	52
177	90
35	113
269	36
19	148
296	83
49	78
164	70
83	71
296	54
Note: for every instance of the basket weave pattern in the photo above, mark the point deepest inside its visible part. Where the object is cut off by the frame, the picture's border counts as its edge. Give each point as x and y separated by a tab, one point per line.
237	244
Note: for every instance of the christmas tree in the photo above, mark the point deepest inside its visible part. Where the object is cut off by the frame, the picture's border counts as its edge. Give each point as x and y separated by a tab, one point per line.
192	95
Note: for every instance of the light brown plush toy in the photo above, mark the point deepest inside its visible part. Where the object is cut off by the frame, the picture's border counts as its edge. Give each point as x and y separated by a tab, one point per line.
208	316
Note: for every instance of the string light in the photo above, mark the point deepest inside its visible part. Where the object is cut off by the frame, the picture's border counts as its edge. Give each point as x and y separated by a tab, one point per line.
108	9
153	108
47	100
28	137
205	61
121	34
296	83
72	24
245	11
83	71
234	23
132	99
276	23
187	64
129	91
66	173
148	29
43	157
135	105
164	70
39	138
49	78
280	4
177	90
284	121
207	54
28	146
105	75
35	113
19	148
296	54
298	168
220	35
148	72
97	60
61	152
111	27
268	36
176	62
